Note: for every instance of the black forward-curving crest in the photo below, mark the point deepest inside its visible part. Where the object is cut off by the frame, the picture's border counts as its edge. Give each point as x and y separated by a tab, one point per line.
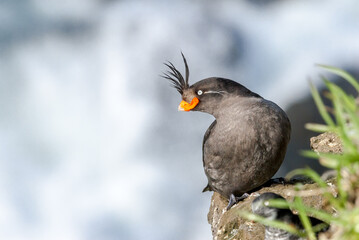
175	77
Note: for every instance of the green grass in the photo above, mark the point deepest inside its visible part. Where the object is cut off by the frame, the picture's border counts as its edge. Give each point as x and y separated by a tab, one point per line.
342	118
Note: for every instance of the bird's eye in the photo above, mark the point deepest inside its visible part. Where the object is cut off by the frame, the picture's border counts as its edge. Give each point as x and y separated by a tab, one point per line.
199	92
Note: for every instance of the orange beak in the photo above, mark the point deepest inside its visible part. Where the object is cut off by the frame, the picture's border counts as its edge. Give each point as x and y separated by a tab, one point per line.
185	106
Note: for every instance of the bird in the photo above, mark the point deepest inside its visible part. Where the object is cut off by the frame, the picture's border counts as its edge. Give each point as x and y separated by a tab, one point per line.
246	143
261	208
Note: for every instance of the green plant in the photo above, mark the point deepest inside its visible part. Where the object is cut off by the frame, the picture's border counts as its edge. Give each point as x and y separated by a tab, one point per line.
343	120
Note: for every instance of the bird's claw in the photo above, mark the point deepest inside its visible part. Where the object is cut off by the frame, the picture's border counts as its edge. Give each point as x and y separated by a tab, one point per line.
233	200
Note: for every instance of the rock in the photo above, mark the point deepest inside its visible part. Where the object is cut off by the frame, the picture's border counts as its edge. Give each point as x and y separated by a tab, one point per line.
326	143
228	225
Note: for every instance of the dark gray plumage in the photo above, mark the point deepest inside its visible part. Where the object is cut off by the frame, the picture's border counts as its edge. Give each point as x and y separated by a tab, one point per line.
285	215
246	144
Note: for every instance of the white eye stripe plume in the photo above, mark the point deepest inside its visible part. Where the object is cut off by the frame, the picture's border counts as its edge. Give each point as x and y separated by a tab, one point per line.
216	92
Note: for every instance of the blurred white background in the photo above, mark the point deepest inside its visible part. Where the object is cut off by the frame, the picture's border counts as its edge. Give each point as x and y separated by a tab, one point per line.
91	143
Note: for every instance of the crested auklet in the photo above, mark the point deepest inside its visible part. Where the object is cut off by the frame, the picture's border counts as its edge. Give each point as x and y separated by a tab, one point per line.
259	207
246	144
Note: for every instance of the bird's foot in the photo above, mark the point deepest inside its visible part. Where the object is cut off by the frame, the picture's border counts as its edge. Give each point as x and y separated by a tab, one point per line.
233	200
279	180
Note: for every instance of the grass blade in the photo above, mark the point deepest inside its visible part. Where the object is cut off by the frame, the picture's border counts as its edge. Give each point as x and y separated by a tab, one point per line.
272	223
315	127
343	74
304	218
316	178
320	105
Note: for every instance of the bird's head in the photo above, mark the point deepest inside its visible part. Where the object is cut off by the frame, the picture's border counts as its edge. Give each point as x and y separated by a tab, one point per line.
205	95
261	208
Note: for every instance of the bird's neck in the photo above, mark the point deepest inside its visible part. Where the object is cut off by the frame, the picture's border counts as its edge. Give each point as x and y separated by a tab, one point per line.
235	108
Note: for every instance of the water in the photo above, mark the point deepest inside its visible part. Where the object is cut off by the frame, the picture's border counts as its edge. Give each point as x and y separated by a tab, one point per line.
92	145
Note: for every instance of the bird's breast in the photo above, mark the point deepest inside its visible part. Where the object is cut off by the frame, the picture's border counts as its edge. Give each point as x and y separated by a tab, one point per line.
245	147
